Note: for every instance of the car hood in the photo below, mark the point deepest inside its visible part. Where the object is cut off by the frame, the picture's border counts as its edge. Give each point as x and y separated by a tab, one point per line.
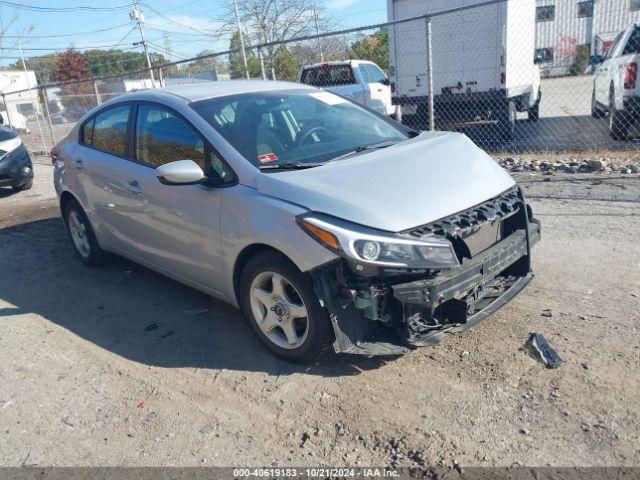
416	182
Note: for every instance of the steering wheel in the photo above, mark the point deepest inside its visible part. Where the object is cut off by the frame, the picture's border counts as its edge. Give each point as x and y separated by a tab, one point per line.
310	132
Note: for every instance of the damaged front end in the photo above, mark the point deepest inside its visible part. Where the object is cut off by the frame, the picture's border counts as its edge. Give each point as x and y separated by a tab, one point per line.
387	310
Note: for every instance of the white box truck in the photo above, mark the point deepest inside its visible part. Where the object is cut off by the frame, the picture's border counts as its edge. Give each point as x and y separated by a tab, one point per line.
483	63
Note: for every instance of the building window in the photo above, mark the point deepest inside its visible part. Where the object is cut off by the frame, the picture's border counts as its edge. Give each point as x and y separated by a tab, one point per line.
546	13
585	9
544	55
634	5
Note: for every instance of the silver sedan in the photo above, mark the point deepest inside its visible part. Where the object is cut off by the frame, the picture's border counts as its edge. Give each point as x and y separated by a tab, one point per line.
330	226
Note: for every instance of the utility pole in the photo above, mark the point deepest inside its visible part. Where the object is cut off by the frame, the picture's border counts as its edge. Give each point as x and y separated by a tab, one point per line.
34	103
319	41
244	53
137	16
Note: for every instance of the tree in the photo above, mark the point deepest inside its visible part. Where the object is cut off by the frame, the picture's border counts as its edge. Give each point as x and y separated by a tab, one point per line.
269	21
72	65
374	48
285	65
114	62
580	60
43	66
236	63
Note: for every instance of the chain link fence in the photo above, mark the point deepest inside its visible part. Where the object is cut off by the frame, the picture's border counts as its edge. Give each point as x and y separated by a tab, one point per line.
469	69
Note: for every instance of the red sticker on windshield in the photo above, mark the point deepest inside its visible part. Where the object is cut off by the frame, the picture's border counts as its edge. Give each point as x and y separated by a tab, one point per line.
268	157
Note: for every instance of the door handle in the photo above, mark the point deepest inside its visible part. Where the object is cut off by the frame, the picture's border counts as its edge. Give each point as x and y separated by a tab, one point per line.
134	187
77	163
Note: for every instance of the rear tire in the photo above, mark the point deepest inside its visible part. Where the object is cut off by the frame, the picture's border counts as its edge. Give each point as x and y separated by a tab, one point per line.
534	112
619	122
596	112
281	305
81	235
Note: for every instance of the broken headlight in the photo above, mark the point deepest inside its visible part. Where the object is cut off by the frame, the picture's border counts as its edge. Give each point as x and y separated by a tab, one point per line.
374	247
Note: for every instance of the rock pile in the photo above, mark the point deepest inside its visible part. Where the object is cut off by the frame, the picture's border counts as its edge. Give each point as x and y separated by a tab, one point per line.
601	165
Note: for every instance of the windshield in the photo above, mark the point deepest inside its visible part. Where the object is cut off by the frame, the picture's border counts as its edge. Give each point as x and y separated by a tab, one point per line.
302	127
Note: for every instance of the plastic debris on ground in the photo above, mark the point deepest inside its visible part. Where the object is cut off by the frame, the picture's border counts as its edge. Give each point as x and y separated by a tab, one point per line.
538	346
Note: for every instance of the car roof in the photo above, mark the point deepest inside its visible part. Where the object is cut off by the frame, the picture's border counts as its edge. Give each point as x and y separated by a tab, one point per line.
199	91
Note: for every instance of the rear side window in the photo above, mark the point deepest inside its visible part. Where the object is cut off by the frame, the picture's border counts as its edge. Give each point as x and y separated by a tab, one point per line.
328	75
633	45
110	130
163	137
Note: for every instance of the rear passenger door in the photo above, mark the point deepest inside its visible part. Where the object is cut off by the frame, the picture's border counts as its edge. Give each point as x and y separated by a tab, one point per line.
101	166
176	227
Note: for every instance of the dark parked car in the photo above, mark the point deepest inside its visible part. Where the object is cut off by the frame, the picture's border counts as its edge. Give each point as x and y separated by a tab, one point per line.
16	169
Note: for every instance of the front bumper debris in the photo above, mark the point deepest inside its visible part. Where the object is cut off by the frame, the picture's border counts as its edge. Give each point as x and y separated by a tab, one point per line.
391	315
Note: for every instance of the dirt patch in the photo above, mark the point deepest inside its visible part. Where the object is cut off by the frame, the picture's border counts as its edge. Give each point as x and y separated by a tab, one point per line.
86	382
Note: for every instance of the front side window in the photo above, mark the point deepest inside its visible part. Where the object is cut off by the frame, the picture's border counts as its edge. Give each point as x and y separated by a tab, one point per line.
585	9
634	5
546	13
163	137
110	130
308	126
328	75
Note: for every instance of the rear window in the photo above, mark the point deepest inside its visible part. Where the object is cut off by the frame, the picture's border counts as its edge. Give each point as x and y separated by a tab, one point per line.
328	75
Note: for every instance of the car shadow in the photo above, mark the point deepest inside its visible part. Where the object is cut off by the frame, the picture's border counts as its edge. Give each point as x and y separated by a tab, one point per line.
134	312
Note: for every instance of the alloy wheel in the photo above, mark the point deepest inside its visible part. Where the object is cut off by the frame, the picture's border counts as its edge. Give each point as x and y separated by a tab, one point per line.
278	310
79	234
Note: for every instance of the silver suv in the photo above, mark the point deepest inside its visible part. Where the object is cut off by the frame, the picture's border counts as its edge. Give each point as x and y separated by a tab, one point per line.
327	224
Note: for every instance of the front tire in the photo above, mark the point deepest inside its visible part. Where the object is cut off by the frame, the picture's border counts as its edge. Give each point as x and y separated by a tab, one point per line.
82	237
280	303
25	186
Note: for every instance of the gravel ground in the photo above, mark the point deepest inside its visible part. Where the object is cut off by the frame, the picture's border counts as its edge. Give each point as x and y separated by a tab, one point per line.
85	381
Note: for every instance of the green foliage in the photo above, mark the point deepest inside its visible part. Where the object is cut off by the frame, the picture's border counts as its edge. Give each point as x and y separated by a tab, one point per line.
285	64
114	62
236	63
581	60
43	66
374	48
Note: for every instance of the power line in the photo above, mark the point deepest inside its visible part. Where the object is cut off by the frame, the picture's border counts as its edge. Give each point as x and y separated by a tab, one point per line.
36	37
35	8
54	49
176	22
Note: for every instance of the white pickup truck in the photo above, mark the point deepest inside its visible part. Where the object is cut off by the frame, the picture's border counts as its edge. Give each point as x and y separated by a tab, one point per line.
616	90
360	80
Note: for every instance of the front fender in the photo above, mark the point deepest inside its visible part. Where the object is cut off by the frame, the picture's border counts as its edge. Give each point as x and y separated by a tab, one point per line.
250	218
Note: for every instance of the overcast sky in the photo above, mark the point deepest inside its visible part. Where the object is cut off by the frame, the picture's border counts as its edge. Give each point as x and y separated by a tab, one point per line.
187	22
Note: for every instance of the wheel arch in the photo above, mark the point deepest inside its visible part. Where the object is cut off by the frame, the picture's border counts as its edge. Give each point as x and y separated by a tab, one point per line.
246	254
65	198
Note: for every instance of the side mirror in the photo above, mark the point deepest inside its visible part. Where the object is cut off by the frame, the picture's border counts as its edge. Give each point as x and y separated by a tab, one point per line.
596	59
181	172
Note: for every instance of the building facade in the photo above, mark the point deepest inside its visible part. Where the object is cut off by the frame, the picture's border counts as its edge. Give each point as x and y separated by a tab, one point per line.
567	30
